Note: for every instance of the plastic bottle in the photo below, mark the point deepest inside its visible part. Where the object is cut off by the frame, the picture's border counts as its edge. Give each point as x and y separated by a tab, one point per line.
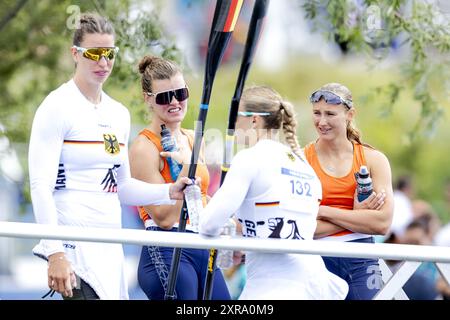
168	144
225	256
194	203
363	183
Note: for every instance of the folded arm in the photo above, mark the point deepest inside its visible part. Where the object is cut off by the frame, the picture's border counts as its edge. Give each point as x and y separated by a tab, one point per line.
369	221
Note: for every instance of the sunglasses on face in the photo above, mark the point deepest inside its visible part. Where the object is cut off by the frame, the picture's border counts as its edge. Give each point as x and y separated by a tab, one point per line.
96	54
329	97
250	113
165	97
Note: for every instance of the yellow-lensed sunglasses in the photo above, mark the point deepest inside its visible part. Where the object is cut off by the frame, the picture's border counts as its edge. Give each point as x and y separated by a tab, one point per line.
96	54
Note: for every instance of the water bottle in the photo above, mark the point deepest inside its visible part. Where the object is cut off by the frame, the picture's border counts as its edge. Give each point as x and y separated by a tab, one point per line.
225	256
194	203
363	183
169	145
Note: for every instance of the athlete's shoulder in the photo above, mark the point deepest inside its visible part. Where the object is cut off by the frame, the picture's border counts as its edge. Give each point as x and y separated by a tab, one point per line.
309	145
374	156
56	101
308	150
142	146
56	93
244	156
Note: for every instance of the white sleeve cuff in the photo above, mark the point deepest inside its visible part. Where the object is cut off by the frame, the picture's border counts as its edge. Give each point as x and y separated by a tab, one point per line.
46	248
166	199
138	193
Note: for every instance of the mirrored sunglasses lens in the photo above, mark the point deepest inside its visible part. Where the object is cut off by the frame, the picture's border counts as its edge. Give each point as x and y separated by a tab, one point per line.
96	53
315	97
92	54
331	98
110	54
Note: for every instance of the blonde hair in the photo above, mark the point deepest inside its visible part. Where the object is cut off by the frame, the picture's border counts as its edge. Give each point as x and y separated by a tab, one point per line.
156	68
353	134
282	113
92	23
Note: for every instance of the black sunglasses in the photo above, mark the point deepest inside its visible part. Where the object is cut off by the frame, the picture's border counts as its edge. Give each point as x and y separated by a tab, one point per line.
166	96
329	97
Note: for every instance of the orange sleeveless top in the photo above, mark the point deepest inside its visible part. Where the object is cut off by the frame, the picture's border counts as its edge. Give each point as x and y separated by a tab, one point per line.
202	170
337	192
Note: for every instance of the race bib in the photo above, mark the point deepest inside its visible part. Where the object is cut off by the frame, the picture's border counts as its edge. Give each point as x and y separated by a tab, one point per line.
300	192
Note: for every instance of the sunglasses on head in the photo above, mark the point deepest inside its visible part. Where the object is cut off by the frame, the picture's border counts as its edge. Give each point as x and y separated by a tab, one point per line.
96	54
329	97
165	97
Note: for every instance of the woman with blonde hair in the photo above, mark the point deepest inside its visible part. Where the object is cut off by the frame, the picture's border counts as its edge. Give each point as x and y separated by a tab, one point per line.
275	194
336	156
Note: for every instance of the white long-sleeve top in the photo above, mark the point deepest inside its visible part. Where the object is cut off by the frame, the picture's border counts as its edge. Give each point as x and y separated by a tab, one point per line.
78	166
274	194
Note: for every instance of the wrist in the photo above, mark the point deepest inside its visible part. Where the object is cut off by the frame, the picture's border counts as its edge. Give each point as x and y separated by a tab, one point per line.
323	213
170	190
56	257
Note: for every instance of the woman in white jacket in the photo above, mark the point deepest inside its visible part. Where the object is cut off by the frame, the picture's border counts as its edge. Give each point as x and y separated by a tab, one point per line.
275	194
79	170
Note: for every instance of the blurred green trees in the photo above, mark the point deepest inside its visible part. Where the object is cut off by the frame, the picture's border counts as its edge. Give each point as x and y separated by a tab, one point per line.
379	27
35	37
415	134
35	41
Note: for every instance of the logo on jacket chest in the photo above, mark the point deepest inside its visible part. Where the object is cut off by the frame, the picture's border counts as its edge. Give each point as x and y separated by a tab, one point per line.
111	144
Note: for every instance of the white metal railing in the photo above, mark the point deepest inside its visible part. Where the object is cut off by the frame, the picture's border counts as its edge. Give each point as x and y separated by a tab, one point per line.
413	254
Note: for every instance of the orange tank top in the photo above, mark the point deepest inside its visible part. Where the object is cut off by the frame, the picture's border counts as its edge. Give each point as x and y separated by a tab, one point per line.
202	170
337	192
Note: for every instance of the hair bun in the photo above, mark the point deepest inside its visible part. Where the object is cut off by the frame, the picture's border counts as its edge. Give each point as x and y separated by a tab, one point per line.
145	62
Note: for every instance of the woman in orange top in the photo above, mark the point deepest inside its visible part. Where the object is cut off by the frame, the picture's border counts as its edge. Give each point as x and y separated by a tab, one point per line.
165	93
336	156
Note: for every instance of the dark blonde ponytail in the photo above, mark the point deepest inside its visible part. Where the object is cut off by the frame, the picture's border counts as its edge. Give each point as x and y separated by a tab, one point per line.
290	126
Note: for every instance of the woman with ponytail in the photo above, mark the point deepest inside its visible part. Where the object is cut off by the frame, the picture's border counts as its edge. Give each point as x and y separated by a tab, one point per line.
274	193
336	156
